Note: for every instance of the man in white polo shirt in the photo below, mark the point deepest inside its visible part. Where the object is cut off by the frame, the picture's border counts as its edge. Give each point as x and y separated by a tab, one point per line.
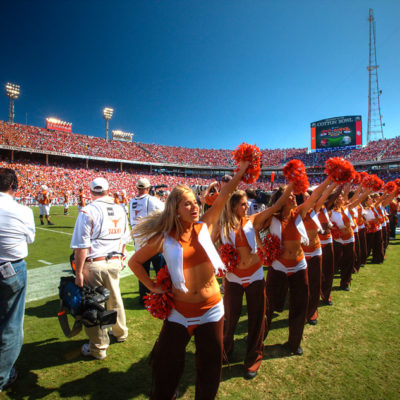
17	228
100	235
139	207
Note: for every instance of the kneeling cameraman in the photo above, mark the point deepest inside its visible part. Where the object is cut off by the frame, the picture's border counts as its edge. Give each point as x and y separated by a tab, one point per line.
99	238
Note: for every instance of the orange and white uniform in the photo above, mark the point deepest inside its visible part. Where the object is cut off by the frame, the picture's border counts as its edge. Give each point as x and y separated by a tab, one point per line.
244	237
292	229
344	221
181	255
66	200
249	281
124	202
325	237
44	200
81	201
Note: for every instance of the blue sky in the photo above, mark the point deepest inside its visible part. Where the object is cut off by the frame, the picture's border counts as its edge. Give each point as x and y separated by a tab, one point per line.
206	74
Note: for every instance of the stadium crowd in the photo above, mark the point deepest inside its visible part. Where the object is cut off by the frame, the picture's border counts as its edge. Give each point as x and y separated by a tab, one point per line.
67	176
35	138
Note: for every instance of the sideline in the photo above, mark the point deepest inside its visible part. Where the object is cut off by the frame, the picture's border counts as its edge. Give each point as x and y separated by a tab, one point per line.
43	282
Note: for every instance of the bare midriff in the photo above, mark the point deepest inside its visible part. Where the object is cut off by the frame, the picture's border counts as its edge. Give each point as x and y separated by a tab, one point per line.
200	282
292	250
247	259
314	241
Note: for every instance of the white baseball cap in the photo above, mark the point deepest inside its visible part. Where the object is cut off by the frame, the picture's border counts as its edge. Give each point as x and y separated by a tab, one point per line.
99	185
143	183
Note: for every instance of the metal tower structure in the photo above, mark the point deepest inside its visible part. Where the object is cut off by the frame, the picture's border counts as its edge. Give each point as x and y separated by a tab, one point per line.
375	125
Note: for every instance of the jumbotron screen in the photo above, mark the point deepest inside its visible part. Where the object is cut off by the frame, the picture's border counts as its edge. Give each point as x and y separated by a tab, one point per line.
338	132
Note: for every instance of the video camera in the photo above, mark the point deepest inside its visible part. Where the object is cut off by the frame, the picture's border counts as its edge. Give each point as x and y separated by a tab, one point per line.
198	189
153	189
263	196
84	304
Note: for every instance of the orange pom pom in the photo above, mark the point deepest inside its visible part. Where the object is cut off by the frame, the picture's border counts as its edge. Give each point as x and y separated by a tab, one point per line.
339	170
357	178
271	249
248	152
160	305
390	187
295	172
229	256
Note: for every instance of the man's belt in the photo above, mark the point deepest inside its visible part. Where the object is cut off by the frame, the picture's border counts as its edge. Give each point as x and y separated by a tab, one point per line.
103	258
12	262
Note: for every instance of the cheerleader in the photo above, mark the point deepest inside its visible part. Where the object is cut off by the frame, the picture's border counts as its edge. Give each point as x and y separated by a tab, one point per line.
291	267
239	230
192	262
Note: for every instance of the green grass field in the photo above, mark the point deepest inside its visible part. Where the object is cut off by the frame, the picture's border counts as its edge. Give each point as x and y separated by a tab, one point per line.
353	352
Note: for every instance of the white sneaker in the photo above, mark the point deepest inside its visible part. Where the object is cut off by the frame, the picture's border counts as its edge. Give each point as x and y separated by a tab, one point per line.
85	350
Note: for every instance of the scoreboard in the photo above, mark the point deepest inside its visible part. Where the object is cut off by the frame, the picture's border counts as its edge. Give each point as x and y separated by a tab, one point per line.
338	132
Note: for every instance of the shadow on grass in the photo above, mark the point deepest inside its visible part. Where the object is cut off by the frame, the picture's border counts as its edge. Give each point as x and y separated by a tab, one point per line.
103	384
98	385
46	310
236	369
276	351
279	324
131	302
38	356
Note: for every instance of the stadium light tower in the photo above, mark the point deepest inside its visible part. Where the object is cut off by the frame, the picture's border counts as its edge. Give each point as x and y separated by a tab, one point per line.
12	92
107	114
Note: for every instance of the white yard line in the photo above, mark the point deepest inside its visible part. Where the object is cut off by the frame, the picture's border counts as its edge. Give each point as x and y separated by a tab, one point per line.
45	262
43	282
53	230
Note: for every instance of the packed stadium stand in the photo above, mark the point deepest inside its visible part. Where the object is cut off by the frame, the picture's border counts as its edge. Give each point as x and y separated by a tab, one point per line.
35	138
63	172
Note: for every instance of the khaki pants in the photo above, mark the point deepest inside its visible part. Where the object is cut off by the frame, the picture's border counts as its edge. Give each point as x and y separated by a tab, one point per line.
106	273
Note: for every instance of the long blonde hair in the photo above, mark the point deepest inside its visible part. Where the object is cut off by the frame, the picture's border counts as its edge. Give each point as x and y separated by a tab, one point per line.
163	221
229	220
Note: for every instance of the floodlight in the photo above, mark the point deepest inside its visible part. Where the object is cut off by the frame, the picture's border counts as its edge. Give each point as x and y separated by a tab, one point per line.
12	92
107	114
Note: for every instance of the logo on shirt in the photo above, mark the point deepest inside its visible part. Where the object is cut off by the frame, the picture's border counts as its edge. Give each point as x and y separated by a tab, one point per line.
110	211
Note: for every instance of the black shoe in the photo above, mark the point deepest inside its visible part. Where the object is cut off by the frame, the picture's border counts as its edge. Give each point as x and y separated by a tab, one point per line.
49	223
246	338
298	352
327	302
345	288
41	223
312	321
250	375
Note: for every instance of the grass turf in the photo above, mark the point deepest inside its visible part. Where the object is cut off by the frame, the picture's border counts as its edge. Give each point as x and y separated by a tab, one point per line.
351	354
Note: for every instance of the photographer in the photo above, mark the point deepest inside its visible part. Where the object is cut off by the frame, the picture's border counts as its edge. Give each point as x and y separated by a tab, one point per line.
17	228
139	207
209	194
255	206
99	238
